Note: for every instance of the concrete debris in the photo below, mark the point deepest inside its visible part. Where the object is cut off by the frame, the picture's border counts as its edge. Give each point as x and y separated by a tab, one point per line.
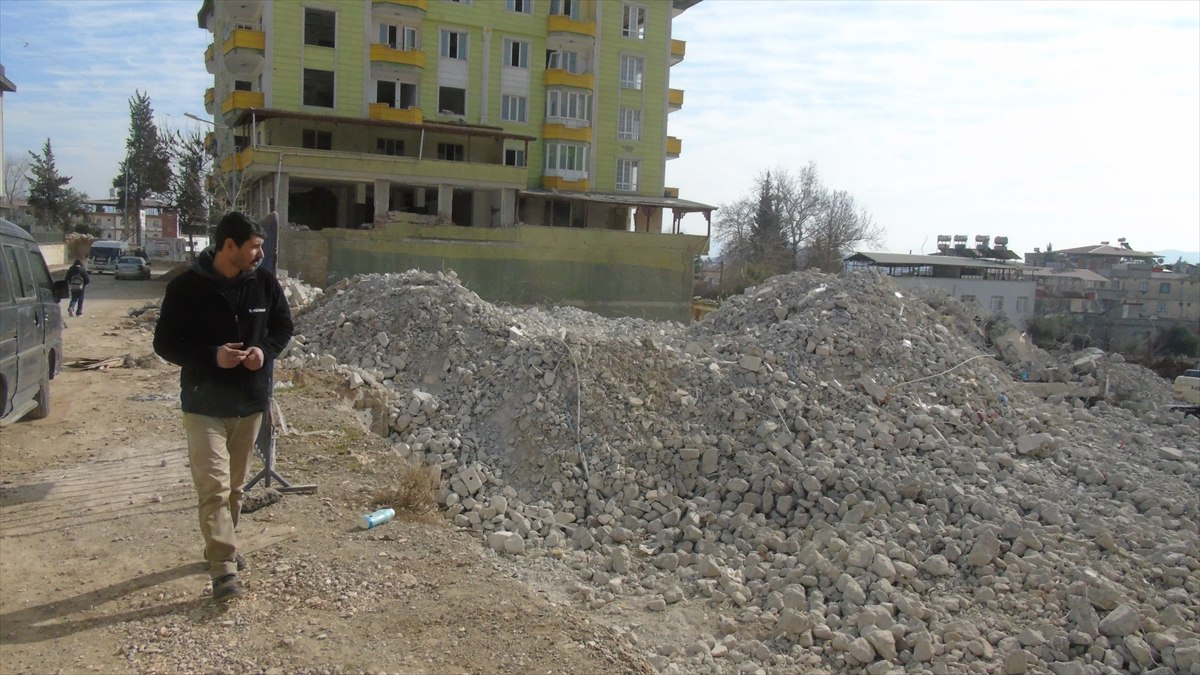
861	478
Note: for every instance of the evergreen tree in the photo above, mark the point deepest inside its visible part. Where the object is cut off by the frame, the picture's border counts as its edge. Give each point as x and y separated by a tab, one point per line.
770	245
146	170
54	202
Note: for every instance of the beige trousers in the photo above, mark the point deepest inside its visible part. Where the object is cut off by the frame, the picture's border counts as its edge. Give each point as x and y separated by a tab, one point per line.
219	450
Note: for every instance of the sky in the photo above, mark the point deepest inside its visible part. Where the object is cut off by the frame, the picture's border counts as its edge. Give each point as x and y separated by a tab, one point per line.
1049	123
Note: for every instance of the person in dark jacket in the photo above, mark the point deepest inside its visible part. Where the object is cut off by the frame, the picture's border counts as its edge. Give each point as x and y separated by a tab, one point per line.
77	281
224	322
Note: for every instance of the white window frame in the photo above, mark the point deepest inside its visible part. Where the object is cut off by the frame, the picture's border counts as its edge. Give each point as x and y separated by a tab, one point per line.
518	49
454	44
568	105
514	108
1022	304
629	124
627	174
633	21
566	160
562	59
633	70
519	6
398	36
518	155
567	8
1160	308
996	303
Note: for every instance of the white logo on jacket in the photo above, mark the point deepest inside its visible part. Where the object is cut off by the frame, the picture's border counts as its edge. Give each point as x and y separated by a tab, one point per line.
258	310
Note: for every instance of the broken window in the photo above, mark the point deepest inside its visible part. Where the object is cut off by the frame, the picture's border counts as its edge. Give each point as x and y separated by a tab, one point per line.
514	157
389	146
385	92
316	140
451	152
318	87
452	100
319	27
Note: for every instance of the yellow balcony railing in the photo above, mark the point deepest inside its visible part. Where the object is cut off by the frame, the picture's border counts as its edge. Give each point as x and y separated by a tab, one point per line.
405	57
422	5
237	161
385	113
240	100
565	24
674	146
244	38
210	59
556	77
558	183
671	192
210	98
678	49
675	99
560	132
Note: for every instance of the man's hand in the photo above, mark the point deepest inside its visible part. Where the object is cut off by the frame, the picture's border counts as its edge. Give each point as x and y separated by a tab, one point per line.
254	358
230	354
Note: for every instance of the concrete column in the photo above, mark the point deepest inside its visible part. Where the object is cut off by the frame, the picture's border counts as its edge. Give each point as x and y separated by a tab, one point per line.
508	207
445	203
419	197
282	206
383	197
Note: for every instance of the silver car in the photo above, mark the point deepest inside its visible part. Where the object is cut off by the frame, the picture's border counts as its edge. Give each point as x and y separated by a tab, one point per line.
132	267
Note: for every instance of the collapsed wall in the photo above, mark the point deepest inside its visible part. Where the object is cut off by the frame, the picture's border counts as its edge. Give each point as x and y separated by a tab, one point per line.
860	475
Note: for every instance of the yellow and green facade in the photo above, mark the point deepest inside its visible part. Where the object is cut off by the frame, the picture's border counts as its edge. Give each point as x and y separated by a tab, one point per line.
479	113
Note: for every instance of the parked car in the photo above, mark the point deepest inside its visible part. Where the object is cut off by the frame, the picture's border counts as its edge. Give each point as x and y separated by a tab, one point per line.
132	267
31	346
104	255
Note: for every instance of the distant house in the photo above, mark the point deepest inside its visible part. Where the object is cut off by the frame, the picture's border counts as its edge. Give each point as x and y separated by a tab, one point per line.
992	284
157	219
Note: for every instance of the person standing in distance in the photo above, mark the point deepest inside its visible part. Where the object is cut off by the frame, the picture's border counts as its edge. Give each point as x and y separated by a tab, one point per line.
77	280
224	321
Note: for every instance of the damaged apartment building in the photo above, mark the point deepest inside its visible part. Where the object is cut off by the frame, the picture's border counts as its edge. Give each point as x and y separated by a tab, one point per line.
490	115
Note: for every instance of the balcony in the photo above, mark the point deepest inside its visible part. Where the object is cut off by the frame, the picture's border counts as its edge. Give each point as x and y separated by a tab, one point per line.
240	100
571	28
385	113
245	11
422	5
210	59
674	146
678	48
404	57
265	160
556	77
674	99
561	132
210	99
237	161
559	183
244	50
210	143
672	192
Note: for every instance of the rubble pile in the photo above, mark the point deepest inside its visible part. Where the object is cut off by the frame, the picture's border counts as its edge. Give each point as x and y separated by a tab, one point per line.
856	478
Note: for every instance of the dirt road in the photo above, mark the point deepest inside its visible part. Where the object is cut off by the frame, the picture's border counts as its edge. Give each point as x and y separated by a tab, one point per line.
100	566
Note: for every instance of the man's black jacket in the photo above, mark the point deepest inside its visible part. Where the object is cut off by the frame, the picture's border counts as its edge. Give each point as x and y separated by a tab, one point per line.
202	311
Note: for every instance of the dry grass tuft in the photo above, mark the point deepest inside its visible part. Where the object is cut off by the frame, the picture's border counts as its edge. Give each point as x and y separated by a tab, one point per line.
412	490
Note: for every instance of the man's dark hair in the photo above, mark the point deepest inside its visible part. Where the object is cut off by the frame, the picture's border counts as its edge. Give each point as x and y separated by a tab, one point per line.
238	227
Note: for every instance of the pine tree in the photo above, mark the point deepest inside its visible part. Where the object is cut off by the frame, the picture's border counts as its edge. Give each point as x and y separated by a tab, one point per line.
53	202
146	170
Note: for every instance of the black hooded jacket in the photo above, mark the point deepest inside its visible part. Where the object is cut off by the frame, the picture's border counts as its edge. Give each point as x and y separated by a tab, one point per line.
202	311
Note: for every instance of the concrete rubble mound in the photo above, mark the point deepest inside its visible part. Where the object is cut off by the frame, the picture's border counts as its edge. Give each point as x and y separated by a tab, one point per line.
853	477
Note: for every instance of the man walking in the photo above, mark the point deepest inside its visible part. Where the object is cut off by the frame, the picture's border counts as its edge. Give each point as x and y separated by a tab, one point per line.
77	281
224	322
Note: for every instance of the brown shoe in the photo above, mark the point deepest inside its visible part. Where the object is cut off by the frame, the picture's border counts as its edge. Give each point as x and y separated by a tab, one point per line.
227	588
240	559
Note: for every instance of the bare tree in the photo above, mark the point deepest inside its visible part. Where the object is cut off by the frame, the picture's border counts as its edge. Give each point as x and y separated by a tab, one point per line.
840	226
16	180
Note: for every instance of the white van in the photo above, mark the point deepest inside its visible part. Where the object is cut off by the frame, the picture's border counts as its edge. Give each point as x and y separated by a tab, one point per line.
104	255
31	346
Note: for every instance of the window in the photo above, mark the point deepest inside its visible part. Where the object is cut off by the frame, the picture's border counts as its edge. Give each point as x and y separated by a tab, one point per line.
1022	304
522	6
452	101
398	37
514	157
389	146
408	96
242	85
629	124
385	92
319	27
566	157
627	175
1161	308
516	53
568	8
562	60
454	44
316	140
633	22
1143	286
569	105
997	303
1164	288
631	72
451	152
318	87
967	299
512	108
